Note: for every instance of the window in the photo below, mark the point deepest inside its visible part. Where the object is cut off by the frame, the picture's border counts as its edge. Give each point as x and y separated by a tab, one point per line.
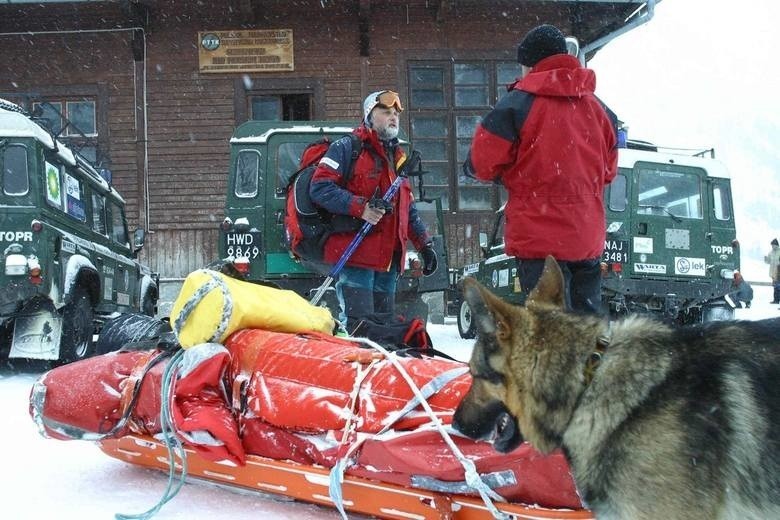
74	198
721	194
669	193
99	214
74	120
118	229
617	197
281	107
15	176
288	158
53	185
447	101
247	173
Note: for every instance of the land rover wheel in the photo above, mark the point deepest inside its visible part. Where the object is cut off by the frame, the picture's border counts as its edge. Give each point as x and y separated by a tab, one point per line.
466	327
148	305
716	313
77	328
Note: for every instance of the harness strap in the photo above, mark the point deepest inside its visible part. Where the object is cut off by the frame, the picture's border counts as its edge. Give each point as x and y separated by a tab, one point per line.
432	387
345	451
198	295
172	442
472	478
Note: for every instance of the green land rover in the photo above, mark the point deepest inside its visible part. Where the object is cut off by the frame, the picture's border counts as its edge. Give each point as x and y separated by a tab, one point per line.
263	157
67	261
670	248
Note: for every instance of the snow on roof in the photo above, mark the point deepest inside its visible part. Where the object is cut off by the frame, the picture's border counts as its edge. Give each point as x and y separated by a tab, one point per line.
262	138
714	168
16	124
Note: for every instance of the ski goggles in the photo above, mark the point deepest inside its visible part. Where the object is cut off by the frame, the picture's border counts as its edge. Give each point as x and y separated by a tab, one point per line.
388	98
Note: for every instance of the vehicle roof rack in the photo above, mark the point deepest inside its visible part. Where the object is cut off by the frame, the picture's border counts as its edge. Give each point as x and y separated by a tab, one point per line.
635	144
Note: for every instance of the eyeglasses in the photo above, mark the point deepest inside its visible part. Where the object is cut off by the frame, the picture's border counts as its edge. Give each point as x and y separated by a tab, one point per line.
388	98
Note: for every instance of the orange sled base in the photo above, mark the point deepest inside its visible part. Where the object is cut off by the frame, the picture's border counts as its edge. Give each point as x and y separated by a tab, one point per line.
310	484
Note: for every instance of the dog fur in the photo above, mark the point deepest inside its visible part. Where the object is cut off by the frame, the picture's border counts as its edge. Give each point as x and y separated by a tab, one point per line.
656	422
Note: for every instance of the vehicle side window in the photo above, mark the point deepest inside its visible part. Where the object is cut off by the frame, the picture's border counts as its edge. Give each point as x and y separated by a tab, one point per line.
617	196
99	214
721	195
53	185
75	205
15	174
288	158
118	229
247	173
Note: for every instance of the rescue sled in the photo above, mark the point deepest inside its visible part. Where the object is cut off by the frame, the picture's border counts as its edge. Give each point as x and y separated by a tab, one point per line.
309	483
299	413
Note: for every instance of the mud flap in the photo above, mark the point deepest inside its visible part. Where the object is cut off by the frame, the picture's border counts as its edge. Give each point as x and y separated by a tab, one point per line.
37	332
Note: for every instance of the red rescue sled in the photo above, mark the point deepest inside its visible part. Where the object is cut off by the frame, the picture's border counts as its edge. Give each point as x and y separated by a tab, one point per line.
275	413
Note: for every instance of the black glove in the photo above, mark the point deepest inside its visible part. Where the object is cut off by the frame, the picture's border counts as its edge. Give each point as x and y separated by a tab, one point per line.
429	259
380	203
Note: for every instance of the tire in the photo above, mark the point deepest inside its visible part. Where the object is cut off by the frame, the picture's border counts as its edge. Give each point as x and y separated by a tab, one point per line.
77	328
148	305
717	313
466	327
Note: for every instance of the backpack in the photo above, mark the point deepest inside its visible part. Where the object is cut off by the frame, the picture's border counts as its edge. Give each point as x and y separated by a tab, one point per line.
397	334
307	226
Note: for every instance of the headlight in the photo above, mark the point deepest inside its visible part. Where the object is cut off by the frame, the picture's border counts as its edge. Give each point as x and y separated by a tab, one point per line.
15	265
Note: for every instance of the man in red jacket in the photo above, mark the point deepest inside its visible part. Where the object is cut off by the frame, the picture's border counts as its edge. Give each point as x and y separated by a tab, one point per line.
367	283
553	145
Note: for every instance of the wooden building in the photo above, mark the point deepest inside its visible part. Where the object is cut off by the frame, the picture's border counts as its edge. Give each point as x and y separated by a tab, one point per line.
156	107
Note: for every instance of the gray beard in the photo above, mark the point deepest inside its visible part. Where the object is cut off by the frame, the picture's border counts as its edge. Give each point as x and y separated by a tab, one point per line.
387	133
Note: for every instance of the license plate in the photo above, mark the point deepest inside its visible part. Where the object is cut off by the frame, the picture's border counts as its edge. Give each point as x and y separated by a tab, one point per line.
615	251
243	245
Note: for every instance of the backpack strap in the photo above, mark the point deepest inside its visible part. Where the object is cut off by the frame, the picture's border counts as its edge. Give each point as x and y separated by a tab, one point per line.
358	145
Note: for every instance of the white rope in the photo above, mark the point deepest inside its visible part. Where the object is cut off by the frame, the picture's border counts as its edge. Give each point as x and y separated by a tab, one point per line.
336	476
472	478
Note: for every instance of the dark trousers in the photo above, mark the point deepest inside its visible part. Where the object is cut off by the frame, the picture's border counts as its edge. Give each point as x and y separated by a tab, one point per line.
582	281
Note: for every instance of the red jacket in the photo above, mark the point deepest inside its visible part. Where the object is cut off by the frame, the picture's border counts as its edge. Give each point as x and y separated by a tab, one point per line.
553	145
372	176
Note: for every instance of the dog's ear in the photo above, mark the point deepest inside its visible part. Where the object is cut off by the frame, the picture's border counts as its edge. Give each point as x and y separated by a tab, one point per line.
550	288
489	312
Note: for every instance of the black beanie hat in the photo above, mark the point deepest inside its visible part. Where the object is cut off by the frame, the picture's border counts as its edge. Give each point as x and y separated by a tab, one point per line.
774	242
540	42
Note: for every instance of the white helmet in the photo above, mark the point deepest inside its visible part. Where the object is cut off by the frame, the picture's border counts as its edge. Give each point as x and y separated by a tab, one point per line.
386	98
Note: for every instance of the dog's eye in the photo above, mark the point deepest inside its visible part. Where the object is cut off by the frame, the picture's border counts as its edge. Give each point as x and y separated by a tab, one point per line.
481	369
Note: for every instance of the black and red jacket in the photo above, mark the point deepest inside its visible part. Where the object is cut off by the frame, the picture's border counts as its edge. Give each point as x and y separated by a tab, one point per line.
553	145
372	175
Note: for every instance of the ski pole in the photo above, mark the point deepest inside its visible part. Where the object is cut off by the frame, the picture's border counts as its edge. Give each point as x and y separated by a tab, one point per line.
387	197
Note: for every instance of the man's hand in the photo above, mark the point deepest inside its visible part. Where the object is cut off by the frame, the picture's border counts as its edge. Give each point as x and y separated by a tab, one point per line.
372	215
430	261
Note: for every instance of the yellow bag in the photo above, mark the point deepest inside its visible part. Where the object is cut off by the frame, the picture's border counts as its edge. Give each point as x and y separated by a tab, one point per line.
211	306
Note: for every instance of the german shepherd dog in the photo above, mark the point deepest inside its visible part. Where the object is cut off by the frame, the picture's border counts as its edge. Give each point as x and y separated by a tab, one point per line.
655	422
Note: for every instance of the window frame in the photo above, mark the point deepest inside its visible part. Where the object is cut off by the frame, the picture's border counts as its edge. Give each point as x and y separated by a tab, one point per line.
258	173
3	158
97	92
115	211
447	62
247	87
95	194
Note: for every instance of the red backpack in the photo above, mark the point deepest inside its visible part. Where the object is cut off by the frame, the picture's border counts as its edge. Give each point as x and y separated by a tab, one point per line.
306	225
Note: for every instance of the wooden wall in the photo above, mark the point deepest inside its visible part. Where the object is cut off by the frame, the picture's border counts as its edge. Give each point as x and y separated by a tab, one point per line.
189	116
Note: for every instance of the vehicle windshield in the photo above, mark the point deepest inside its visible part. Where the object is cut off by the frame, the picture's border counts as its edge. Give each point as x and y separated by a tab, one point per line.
666	193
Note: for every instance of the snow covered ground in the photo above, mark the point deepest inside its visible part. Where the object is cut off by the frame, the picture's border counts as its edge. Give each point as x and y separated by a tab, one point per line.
43	478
